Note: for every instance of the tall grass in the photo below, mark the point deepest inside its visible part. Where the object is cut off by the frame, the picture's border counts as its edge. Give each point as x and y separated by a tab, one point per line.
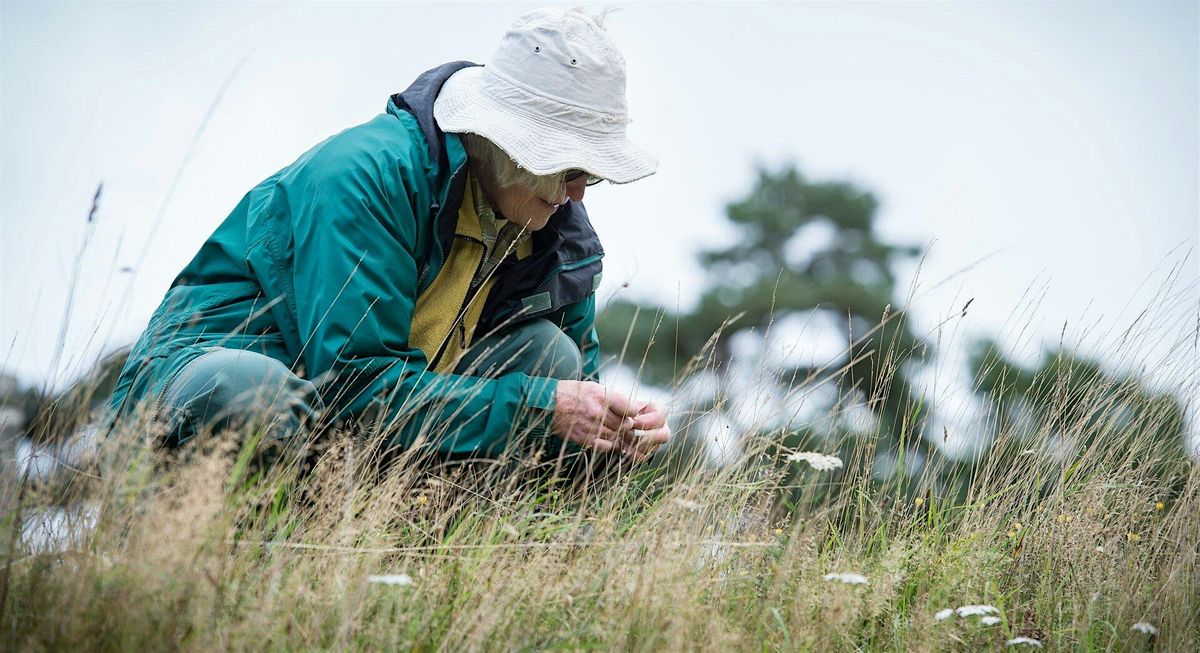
330	548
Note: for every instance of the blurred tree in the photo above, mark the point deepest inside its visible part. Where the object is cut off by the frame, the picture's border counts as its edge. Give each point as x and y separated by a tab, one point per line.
57	416
17	403
801	247
1068	407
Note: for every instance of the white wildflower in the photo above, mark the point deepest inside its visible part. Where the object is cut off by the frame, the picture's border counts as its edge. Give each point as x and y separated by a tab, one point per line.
686	504
399	580
989	621
1143	627
818	461
943	615
848	579
1027	641
977	610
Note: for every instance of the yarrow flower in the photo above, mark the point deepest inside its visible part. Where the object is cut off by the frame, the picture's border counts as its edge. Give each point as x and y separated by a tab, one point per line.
818	461
848	579
977	610
1023	641
1143	627
988	613
399	580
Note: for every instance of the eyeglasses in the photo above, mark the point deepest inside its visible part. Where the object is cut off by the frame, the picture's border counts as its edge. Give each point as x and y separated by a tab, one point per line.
576	173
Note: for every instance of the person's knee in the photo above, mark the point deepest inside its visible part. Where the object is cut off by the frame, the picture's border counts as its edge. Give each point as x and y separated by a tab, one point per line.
244	380
229	388
536	347
552	353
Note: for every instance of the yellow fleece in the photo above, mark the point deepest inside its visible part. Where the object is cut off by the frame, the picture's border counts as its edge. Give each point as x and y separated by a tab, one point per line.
436	322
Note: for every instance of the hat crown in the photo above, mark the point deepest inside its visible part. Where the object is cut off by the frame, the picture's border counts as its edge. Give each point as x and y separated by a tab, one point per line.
565	56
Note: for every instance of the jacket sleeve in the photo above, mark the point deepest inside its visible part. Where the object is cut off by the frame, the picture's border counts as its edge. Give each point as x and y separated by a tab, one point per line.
578	321
348	273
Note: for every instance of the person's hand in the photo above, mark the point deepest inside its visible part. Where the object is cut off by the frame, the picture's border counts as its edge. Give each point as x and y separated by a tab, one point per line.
650	431
591	415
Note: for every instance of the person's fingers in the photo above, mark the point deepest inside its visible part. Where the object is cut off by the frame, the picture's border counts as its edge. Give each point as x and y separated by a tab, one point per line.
623	434
644	445
620	404
626	430
628	439
602	444
647	446
652	418
623	425
614	422
651	438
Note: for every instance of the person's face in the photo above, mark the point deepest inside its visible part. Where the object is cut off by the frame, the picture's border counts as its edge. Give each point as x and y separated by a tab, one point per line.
526	208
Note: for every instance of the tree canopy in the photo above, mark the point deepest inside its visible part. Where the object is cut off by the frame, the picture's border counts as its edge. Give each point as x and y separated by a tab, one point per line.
802	246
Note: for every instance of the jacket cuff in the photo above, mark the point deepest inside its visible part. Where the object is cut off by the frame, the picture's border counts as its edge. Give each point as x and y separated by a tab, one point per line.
538	413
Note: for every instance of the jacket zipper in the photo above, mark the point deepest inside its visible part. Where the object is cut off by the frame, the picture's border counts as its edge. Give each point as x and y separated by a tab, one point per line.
460	321
437	220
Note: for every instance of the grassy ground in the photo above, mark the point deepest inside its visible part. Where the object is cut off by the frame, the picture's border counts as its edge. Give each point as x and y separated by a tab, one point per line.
205	554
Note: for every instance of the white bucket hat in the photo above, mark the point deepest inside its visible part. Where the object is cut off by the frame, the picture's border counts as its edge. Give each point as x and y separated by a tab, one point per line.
552	97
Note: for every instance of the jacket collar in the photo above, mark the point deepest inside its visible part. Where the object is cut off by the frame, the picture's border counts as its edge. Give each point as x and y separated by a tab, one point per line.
418	100
446	155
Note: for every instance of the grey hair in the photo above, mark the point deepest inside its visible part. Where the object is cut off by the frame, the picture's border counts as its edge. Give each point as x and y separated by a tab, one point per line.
493	163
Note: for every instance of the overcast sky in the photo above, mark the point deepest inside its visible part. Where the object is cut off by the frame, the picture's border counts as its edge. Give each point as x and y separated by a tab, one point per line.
1051	150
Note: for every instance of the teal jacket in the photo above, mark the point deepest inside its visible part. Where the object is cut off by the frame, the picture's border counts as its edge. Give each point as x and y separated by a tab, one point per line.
319	266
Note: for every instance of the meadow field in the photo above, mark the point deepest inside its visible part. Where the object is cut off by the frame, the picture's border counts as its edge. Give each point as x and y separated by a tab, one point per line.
879	445
1082	548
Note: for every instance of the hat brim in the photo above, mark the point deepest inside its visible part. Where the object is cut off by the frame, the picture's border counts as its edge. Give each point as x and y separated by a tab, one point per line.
537	143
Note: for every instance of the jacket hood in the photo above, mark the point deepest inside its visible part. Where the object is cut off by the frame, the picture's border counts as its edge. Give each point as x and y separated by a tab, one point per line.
418	100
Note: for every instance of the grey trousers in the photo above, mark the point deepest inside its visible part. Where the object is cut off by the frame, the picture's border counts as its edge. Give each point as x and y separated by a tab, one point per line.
232	388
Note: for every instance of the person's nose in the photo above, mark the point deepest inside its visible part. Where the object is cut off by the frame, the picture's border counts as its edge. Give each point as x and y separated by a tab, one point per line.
576	187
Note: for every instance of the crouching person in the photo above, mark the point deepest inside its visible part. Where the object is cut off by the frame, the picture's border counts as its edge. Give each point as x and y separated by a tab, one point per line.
431	271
